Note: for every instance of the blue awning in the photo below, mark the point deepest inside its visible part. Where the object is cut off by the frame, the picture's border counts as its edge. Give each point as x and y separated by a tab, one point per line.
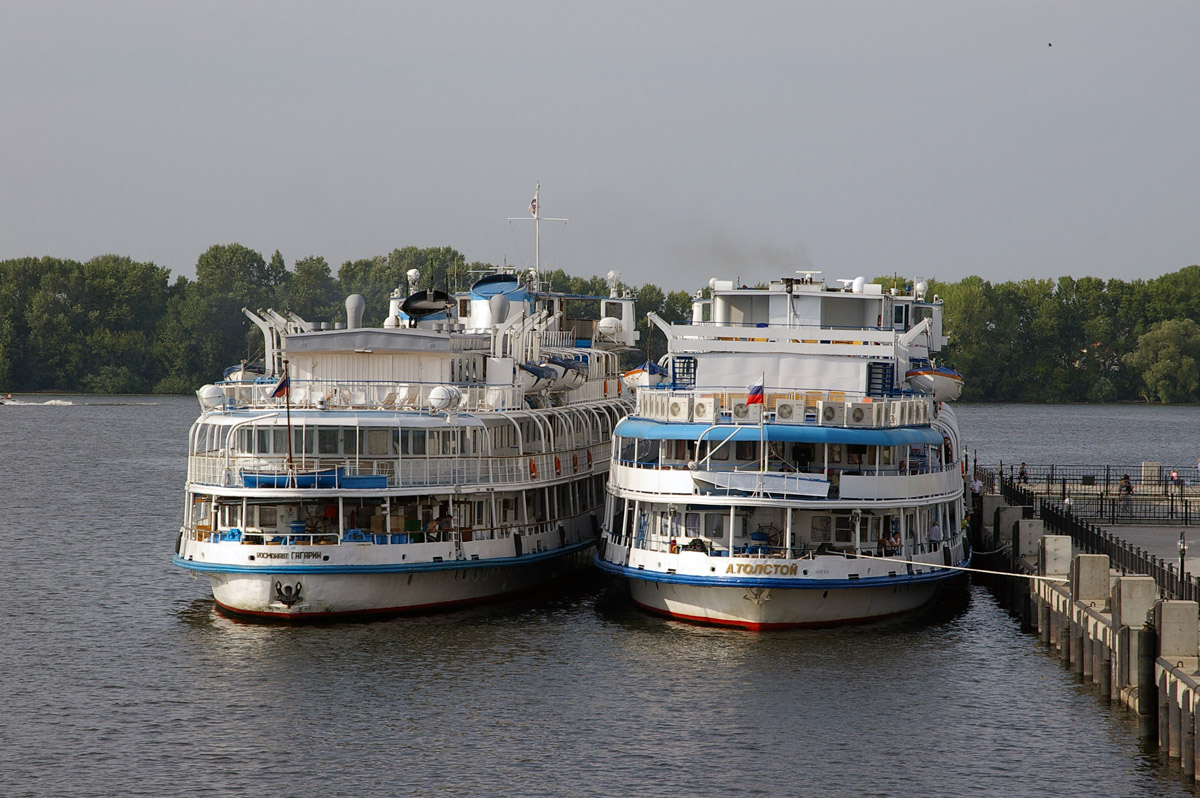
795	433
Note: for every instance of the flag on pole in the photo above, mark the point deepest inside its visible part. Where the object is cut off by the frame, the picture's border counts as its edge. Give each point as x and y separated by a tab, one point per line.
754	392
533	206
281	388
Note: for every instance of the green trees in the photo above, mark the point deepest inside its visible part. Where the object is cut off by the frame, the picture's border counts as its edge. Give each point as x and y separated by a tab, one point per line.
1167	358
72	326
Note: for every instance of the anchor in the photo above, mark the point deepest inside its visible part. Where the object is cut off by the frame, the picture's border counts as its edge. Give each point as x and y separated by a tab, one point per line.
759	595
285	595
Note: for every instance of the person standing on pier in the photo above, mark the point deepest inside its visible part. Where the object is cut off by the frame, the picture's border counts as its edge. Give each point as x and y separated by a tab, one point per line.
1125	489
1023	474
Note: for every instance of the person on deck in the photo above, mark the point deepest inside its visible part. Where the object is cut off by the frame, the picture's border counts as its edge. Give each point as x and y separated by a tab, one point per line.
935	537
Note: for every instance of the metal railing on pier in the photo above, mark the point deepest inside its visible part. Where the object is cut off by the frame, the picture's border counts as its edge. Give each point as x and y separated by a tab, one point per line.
1161	495
1060	519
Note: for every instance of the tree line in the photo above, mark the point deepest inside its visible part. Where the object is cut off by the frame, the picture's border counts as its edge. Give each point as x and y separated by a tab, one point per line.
114	325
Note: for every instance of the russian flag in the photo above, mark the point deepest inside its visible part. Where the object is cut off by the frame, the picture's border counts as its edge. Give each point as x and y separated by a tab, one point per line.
754	393
281	388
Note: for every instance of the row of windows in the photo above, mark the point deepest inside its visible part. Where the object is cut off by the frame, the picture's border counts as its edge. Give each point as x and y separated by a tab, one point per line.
796	455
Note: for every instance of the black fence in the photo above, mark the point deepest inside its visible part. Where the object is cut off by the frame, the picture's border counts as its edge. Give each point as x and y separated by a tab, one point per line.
1059	519
1163	495
1151	479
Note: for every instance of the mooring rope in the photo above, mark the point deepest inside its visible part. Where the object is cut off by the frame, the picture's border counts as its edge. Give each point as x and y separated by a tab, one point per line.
968	570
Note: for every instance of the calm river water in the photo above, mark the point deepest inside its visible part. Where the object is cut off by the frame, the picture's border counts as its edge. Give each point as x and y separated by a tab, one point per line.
118	678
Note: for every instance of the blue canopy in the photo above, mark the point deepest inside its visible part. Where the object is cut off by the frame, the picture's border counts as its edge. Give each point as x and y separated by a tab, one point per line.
795	433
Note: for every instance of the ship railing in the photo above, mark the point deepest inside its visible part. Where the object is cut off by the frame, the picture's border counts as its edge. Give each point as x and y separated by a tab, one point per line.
430	471
428	533
802	406
397	395
799	550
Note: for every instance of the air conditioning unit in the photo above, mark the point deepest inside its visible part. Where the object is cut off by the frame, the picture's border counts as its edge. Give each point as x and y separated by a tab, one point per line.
787	412
704	409
919	414
661	402
644	401
746	414
831	414
893	413
679	408
860	414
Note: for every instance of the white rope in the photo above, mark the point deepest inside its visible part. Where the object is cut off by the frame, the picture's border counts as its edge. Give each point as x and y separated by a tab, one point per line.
968	570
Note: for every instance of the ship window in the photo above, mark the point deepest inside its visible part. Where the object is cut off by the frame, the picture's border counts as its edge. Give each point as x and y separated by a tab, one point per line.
350	440
714	525
302	441
820	528
377	442
841	529
279	441
262	443
691	523
746	450
719	451
412	441
647	452
855	453
327	441
266	517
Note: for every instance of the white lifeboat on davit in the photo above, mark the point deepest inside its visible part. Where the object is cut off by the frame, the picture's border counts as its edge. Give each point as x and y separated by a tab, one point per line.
943	384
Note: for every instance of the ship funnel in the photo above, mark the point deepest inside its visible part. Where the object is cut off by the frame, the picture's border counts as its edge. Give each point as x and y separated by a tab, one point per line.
355	305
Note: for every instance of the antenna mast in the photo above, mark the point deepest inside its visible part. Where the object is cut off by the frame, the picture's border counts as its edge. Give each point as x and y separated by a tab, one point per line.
535	212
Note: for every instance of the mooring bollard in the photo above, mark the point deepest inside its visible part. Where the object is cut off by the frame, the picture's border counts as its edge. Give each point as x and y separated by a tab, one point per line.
1078	652
1147	703
1188	745
1105	674
1044	621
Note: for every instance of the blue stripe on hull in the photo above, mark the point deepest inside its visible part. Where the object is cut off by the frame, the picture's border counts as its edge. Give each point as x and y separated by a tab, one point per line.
935	575
385	568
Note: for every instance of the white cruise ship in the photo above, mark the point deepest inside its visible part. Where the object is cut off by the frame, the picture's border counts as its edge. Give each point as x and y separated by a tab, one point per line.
458	453
792	460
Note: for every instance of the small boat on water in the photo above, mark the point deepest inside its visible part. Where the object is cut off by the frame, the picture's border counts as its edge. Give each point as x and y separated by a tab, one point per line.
784	470
411	466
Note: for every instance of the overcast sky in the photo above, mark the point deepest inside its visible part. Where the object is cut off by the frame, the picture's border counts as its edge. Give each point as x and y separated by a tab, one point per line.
683	139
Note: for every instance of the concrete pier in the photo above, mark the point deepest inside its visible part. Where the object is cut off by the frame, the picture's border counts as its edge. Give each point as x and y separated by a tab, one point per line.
1113	630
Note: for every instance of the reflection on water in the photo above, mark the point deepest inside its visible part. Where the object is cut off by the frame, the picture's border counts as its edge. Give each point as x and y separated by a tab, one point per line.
131	682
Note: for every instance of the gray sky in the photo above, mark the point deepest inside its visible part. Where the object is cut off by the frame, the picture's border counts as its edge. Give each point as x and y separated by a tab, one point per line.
684	139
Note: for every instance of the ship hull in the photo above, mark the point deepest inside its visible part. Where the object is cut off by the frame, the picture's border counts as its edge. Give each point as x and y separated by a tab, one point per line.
314	595
760	609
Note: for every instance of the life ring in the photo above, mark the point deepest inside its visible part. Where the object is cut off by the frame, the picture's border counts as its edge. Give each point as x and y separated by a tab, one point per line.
575	461
557	467
606	389
532	468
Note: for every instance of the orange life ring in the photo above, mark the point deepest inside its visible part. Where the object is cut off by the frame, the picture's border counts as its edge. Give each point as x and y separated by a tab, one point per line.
557	467
589	454
532	468
575	461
